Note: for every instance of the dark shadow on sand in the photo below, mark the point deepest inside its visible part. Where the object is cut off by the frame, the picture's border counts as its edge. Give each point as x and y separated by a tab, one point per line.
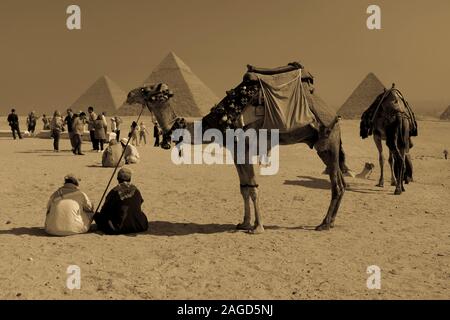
310	182
166	228
30	231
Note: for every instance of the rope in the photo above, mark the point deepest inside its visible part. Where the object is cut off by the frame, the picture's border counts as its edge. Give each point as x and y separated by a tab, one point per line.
117	165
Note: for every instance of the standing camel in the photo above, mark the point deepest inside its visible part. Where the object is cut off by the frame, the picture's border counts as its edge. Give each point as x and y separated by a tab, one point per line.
391	119
237	110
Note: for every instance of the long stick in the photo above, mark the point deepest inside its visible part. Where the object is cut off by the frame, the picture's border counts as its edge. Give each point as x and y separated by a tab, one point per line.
117	165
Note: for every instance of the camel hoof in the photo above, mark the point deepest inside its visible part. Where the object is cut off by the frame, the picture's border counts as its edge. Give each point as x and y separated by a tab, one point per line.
257	230
323	227
381	185
244	226
398	192
393	183
332	225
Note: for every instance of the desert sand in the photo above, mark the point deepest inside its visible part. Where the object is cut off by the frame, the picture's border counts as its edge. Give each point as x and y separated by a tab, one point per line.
192	250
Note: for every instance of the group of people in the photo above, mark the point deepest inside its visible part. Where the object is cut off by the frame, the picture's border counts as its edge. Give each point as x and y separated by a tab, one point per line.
70	211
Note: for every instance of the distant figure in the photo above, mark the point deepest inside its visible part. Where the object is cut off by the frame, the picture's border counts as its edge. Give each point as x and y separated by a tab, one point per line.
46	122
445	154
56	126
133	135
131	154
143	133
105	123
118	122
99	132
13	121
69	210
122	211
156	134
31	122
68	121
91	127
78	130
112	154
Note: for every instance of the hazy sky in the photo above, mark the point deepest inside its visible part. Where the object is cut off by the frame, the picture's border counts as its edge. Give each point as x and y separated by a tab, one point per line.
45	66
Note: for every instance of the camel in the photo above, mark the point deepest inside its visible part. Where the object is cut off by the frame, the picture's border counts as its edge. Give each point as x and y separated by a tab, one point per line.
391	119
240	104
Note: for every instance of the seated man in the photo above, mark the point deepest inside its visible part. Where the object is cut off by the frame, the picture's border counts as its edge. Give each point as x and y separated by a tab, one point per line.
69	210
122	211
112	155
131	154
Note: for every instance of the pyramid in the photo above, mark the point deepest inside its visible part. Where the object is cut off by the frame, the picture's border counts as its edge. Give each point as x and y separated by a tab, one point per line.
361	98
446	114
192	98
104	95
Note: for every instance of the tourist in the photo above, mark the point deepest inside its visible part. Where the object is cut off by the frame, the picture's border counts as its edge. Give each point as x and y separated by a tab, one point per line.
133	135
13	121
78	130
122	211
445	154
117	121
112	154
131	154
31	122
105	123
69	210
56	127
46	122
91	127
68	121
143	133
99	132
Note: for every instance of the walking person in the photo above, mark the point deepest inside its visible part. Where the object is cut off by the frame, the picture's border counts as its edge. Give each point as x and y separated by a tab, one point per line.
78	129
31	122
91	121
99	132
68	121
133	135
143	133
13	121
57	126
156	134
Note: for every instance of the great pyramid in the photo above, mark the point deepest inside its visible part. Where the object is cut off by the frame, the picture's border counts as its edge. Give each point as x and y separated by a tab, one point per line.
362	97
192	98
104	95
446	114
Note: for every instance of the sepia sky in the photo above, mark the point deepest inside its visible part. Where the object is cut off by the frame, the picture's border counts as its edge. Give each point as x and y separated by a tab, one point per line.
44	66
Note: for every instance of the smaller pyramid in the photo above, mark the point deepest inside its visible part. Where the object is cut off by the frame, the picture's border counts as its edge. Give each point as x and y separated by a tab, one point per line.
104	95
446	114
362	97
192	98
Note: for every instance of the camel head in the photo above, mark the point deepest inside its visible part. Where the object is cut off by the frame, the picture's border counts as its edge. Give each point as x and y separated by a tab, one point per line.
157	99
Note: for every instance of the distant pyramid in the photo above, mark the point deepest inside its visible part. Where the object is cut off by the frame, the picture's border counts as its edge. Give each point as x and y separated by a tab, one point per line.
446	114
104	95
192	98
361	98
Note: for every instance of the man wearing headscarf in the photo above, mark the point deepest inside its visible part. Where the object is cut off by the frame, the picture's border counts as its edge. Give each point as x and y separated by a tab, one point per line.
122	211
69	210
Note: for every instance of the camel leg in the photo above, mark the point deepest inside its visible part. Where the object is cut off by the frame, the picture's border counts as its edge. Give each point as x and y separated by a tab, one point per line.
258	227
391	164
246	224
378	143
331	159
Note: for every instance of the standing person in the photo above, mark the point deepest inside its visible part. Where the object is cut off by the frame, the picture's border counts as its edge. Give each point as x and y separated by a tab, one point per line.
91	121
105	123
122	211
46	122
68	121
31	122
143	133
13	121
156	133
118	122
69	210
78	129
99	132
133	135
57	126
113	126
445	154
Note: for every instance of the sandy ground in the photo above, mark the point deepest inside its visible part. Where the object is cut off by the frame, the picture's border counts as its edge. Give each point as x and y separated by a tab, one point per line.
192	251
